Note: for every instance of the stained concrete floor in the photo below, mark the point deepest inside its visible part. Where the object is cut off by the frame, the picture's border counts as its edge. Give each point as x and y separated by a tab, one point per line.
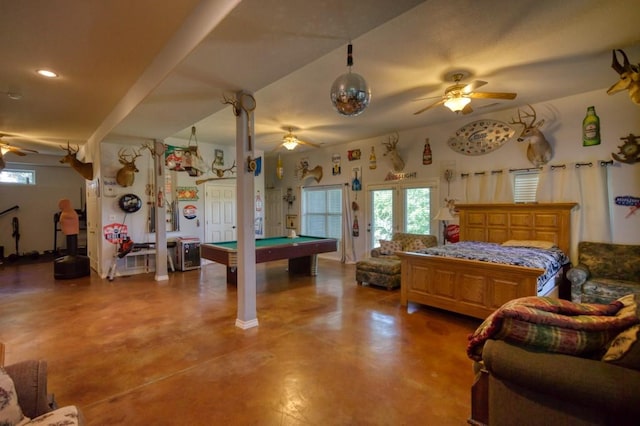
326	352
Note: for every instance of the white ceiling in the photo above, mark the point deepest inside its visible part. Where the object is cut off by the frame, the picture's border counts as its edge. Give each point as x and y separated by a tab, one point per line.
132	71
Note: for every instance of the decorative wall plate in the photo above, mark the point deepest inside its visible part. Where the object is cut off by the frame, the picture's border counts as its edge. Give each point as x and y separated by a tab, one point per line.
480	137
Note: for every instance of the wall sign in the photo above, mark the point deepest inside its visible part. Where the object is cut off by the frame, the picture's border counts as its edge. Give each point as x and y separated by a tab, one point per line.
190	211
115	233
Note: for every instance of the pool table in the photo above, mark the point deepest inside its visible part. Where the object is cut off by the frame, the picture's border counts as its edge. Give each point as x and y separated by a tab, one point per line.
301	251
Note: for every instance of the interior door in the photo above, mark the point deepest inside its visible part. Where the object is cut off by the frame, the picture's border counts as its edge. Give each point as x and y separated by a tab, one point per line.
274	219
220	213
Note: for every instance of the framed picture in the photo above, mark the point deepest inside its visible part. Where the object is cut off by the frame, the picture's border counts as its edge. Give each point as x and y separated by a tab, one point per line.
291	221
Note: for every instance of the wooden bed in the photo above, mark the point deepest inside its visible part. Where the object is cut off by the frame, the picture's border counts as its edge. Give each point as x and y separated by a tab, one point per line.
476	288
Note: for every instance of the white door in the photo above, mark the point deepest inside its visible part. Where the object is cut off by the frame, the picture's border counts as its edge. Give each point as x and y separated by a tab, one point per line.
220	213
273	218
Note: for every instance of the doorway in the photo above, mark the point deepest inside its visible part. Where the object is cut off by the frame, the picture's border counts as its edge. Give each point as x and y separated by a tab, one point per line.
274	216
220	212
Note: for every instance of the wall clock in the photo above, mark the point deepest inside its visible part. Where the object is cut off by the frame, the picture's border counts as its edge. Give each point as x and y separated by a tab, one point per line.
480	137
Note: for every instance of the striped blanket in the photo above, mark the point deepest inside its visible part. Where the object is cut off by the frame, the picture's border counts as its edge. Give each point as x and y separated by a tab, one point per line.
555	325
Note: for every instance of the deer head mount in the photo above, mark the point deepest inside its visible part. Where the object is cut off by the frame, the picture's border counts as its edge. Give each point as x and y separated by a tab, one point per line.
126	175
397	163
629	78
306	172
85	169
539	151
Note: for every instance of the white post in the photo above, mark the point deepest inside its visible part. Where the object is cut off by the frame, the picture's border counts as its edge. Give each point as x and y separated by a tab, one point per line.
161	231
247	316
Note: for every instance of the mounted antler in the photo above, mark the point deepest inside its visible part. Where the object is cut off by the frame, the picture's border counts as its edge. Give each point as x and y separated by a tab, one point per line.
629	78
85	169
126	175
539	151
220	172
233	102
397	163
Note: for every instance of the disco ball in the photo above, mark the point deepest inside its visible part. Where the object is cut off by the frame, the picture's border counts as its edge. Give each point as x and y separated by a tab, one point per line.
350	94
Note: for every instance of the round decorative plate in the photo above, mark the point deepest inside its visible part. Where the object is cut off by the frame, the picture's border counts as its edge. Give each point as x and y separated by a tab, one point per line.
480	137
130	203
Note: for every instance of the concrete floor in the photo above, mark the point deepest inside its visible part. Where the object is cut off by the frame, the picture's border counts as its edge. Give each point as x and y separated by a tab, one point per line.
327	352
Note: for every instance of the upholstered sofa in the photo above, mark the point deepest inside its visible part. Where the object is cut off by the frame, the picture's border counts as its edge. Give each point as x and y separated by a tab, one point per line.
383	267
23	393
604	272
403	242
526	387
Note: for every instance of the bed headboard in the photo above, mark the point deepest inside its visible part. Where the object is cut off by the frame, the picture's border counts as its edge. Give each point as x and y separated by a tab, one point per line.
497	223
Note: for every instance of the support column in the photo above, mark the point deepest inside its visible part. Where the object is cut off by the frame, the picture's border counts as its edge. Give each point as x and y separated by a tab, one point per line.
247	316
161	231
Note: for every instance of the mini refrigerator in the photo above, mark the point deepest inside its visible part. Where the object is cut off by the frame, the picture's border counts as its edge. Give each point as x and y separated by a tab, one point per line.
188	254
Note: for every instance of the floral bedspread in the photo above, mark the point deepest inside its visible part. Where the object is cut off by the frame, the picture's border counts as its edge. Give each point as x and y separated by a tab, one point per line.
550	260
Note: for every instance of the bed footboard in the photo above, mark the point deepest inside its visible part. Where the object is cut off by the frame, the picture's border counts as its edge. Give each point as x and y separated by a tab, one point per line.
468	287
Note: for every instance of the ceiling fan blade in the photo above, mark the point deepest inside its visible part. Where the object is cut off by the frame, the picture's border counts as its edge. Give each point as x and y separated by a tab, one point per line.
315	145
18	152
467	109
435	104
492	95
472	86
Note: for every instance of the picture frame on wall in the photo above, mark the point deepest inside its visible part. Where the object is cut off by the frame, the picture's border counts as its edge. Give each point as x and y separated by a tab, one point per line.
291	221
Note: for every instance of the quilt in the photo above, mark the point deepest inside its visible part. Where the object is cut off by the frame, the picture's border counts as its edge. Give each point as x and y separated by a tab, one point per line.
555	325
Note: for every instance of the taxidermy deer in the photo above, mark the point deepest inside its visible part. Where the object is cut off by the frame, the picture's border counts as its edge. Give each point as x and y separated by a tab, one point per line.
539	151
629	78
126	174
315	173
85	169
219	173
397	163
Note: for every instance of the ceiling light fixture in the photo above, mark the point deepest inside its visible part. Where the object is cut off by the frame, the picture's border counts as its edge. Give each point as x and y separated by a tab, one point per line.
457	104
350	93
47	73
290	142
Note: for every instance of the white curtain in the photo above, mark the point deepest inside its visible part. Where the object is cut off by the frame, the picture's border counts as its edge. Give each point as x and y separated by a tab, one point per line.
488	187
348	249
587	185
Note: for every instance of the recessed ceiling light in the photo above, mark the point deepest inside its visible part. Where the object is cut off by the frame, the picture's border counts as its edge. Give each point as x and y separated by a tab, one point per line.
47	73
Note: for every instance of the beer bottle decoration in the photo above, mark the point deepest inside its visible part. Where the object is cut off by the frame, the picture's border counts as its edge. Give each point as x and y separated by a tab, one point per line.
356	227
591	128
426	154
372	159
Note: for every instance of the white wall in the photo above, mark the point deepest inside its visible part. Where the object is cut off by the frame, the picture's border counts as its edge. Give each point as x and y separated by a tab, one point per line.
38	203
562	128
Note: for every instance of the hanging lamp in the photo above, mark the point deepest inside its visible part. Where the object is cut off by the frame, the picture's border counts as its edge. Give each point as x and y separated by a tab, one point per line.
350	93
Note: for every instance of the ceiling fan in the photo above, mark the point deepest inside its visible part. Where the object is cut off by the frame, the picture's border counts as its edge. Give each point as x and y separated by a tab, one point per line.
291	141
458	96
6	148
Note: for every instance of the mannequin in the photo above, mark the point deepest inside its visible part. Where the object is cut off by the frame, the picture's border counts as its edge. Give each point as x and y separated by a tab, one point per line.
72	265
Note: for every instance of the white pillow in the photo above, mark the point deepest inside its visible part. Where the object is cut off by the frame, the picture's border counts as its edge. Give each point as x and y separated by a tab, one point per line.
10	411
545	245
389	247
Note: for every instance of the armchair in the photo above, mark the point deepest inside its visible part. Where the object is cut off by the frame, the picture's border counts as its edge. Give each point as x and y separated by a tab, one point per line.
605	272
30	384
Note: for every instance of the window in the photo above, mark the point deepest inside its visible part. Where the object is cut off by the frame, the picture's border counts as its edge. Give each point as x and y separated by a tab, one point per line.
20	177
322	212
525	185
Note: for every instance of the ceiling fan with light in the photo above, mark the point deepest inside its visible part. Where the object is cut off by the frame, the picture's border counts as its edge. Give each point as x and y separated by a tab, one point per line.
291	141
458	96
6	148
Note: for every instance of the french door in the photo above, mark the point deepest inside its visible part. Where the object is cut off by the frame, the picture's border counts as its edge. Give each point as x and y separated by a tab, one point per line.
400	207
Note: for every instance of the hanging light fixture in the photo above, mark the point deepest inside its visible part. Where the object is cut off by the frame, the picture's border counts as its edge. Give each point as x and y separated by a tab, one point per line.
457	103
350	93
290	141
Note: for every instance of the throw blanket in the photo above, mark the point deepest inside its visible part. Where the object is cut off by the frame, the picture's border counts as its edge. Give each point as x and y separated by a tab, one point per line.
555	325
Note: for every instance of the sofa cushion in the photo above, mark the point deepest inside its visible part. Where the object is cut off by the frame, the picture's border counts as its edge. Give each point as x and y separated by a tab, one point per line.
415	245
10	412
613	261
624	349
389	247
67	416
605	290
